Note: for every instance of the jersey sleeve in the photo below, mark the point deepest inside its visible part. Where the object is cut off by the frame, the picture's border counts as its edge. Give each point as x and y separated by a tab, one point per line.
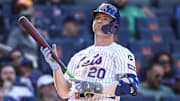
125	62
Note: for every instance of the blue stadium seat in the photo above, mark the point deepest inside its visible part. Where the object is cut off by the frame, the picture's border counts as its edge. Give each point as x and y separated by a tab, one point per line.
150	35
147	48
123	22
55	32
148	23
141	61
90	2
43	10
176	57
58	21
175	98
167	3
178	11
6	11
141	47
158	47
178	26
164	12
66	48
139	2
168	34
123	36
137	98
164	22
175	46
42	22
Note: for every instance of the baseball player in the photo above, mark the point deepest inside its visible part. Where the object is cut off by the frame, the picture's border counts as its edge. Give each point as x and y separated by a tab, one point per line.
103	71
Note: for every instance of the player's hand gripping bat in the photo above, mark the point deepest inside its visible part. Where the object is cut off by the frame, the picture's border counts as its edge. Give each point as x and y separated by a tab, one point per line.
30	29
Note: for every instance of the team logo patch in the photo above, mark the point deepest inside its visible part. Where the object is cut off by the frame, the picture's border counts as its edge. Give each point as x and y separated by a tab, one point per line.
130	57
131	67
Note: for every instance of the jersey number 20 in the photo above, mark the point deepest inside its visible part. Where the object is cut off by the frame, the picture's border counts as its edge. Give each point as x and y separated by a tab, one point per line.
96	72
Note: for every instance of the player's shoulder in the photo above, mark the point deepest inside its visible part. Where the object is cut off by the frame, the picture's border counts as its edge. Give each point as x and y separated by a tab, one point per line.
121	49
83	51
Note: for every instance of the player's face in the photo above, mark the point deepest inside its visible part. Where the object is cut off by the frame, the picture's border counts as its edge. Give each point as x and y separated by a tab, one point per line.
99	20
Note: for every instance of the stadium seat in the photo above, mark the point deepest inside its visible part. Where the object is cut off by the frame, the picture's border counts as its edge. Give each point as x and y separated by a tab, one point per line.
176	57
123	36
175	45
42	22
178	11
150	35
141	47
167	3
168	34
148	22
161	46
175	98
55	32
90	2
123	22
137	98
6	11
164	12
139	2
141	61
178	26
43	10
66	48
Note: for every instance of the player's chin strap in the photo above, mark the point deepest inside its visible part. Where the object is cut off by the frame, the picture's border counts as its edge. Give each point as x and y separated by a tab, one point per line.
127	85
110	28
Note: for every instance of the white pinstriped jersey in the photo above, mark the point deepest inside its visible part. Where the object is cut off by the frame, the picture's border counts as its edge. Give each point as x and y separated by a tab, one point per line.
101	64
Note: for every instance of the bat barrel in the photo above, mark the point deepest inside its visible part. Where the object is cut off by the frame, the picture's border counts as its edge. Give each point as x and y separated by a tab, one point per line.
30	29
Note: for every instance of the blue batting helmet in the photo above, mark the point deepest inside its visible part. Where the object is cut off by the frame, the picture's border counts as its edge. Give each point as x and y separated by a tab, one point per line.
112	11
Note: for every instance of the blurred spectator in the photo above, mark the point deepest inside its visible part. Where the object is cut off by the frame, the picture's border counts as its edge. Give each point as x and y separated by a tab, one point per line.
131	12
71	27
16	55
152	85
57	11
18	38
2	93
46	90
21	5
71	30
7	73
26	68
29	75
165	59
177	85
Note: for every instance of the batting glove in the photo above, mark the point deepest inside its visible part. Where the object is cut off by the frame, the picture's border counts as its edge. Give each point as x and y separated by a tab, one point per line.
86	86
48	57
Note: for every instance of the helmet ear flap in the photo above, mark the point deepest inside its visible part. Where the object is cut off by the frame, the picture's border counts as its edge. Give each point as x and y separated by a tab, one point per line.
114	28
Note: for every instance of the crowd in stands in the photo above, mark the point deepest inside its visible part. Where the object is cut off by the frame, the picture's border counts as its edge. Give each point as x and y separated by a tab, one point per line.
149	28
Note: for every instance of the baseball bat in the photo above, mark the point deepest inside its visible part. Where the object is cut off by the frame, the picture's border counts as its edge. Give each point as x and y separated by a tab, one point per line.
29	28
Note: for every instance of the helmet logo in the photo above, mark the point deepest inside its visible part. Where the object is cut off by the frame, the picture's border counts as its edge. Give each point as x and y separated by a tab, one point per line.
104	7
108	9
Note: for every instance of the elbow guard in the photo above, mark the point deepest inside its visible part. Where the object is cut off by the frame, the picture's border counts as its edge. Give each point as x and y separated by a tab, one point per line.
127	85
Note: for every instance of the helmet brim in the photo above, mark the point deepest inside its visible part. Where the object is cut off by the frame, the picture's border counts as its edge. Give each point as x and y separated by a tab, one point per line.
98	11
